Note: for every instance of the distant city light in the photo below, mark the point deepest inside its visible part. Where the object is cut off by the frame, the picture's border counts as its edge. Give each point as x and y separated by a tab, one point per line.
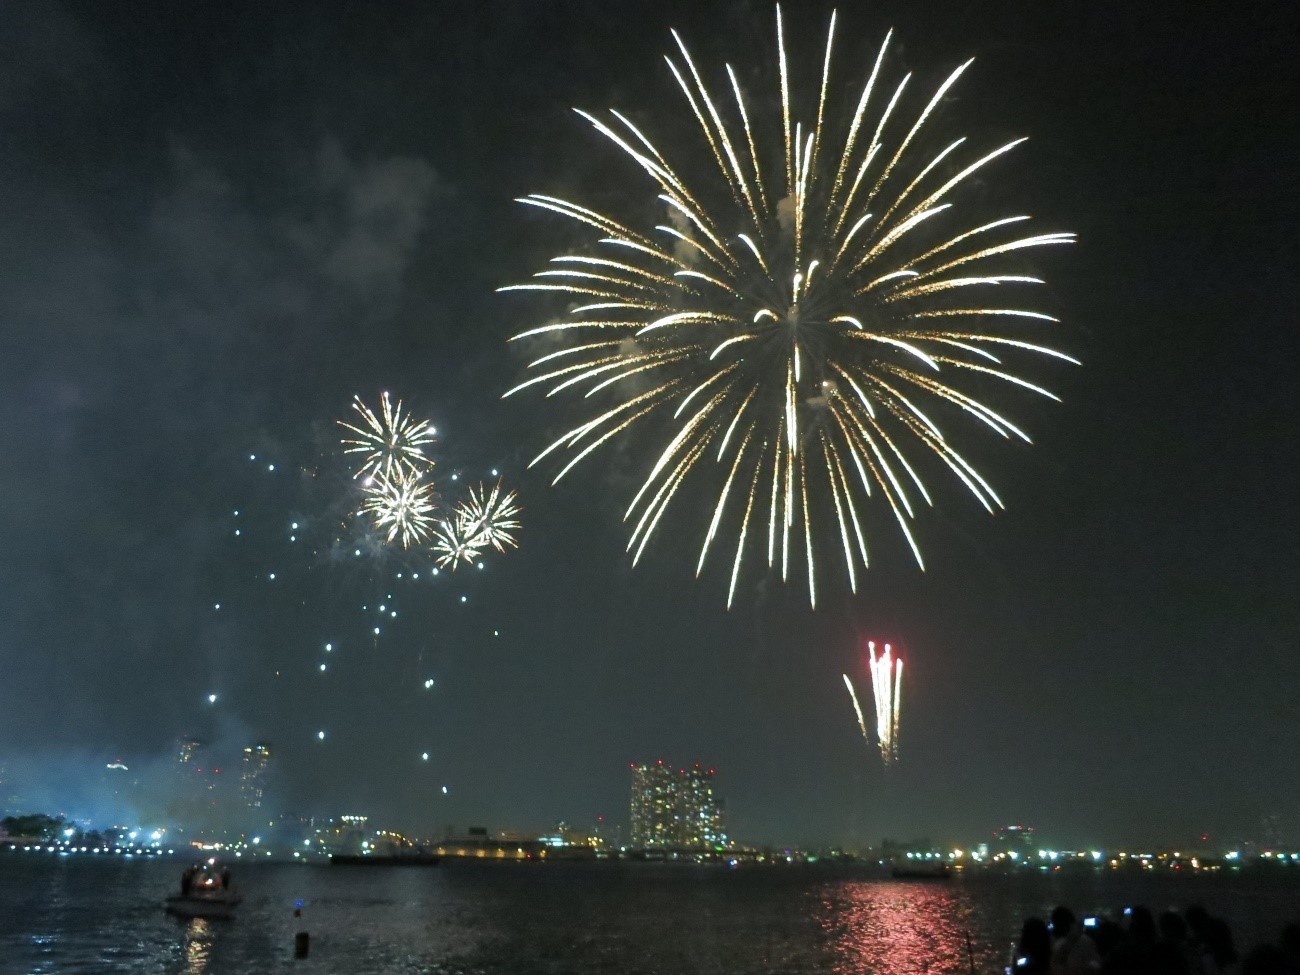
444	790
329	647
212	699
424	756
320	736
428	683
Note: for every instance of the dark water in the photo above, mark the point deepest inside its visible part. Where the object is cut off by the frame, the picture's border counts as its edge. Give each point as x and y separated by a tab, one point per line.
89	915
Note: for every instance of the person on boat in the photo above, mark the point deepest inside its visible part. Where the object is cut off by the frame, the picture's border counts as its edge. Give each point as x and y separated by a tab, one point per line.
187	881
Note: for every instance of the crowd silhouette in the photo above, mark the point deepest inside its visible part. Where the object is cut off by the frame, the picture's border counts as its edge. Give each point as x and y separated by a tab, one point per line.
1141	943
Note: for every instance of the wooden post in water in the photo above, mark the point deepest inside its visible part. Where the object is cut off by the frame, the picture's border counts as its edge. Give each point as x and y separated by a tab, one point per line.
301	940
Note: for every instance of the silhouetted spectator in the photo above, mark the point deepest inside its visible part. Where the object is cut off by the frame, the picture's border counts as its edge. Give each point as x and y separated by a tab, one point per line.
1135	954
1141	926
1035	946
1072	953
1218	954
1107	935
1173	952
1291	944
1267	960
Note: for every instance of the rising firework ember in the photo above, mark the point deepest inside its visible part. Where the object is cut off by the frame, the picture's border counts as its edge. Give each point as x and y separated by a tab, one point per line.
389	444
794	337
857	710
887	687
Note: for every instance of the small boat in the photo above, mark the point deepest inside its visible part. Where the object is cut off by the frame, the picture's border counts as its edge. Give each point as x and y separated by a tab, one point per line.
206	891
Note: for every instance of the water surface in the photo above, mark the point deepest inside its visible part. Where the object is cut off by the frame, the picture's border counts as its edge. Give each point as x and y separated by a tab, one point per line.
105	916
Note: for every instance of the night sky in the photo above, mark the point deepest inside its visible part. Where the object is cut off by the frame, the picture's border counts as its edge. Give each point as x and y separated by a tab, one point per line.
221	222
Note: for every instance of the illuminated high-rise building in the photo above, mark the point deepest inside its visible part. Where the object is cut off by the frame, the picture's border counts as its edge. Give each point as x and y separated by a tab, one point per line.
675	809
197	799
253	774
1015	839
188	752
652	809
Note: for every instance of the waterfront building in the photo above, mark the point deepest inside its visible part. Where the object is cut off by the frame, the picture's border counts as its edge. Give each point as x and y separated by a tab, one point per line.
253	774
188	754
675	809
1017	839
199	799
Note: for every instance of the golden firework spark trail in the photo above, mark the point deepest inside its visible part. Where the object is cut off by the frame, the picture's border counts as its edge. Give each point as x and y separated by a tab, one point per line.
801	321
857	709
887	688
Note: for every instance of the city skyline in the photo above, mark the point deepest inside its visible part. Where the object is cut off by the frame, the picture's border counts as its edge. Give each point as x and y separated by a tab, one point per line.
224	225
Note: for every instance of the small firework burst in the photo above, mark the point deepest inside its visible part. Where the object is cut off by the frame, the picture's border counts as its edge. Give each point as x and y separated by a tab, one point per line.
390	443
489	517
403	507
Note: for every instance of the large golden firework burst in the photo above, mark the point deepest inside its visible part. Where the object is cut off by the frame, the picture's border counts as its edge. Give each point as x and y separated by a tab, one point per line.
799	325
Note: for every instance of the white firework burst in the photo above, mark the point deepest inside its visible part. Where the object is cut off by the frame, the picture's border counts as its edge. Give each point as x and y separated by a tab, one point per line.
798	333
